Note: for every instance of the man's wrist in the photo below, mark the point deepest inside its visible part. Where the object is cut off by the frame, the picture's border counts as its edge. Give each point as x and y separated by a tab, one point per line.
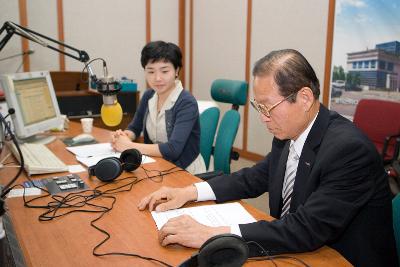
192	192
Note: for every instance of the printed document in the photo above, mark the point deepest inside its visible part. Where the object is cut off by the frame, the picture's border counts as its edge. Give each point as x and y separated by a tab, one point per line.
89	155
210	215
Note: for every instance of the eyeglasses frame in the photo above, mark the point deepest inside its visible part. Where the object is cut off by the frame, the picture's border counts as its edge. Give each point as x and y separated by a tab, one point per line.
263	109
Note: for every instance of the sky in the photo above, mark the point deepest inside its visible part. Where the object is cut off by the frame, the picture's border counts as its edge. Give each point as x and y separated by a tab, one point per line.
361	24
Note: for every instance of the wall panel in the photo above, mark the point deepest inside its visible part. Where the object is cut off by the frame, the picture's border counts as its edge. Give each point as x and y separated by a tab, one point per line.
113	30
300	25
164	20
42	18
219	46
9	11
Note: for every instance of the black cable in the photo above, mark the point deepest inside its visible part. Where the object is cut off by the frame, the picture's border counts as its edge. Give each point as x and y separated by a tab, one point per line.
86	66
8	187
266	256
76	201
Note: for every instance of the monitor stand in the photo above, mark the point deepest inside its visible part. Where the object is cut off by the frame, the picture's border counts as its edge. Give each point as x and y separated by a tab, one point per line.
39	139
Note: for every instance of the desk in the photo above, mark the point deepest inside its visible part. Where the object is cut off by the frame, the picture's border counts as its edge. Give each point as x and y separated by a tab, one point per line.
69	240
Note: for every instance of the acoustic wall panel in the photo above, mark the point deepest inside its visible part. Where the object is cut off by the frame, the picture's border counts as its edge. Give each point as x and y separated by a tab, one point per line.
300	25
42	18
219	47
9	11
113	30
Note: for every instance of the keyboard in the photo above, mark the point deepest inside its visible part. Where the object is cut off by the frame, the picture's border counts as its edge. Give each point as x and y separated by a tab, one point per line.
38	158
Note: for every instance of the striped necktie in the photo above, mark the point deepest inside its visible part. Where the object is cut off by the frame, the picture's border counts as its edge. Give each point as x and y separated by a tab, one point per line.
290	175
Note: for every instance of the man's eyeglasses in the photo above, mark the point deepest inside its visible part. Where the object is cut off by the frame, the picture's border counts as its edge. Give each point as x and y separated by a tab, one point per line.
265	110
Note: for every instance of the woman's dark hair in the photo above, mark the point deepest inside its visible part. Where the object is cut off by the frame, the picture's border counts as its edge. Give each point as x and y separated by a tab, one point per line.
161	51
291	72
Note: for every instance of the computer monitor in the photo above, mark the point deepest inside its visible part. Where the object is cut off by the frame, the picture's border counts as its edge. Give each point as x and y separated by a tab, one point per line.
32	96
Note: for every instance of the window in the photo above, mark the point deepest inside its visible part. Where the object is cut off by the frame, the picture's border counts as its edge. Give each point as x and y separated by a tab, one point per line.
373	64
360	64
366	64
390	66
354	65
382	64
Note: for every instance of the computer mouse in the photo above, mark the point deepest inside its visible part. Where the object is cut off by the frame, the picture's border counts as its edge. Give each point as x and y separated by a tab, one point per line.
82	138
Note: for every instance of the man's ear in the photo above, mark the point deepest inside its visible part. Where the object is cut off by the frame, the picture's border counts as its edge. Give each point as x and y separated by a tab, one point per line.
306	98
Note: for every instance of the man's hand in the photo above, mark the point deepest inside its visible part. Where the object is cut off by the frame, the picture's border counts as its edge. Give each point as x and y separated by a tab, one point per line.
186	231
167	198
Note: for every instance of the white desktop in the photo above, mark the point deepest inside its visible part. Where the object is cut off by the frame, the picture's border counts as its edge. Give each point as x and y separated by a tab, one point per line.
32	96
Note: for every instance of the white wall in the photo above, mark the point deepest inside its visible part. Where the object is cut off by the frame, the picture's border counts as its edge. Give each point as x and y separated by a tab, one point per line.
297	24
219	46
9	11
165	20
114	30
43	58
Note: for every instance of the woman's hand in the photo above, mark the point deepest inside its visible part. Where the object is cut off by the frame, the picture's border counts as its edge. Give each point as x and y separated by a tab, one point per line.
121	142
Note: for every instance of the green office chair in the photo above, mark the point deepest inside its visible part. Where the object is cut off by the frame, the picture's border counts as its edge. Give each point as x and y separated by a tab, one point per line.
208	126
396	222
235	93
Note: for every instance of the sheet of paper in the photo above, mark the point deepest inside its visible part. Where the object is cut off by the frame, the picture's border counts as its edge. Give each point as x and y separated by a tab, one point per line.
76	168
93	150
91	161
89	155
210	215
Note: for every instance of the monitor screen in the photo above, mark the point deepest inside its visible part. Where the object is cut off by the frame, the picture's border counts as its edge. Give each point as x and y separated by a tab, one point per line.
32	96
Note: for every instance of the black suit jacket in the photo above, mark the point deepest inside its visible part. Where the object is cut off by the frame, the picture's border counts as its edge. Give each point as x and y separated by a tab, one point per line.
341	195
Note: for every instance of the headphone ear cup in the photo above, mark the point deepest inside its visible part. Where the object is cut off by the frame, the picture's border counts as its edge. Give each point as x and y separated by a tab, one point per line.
223	251
131	159
107	169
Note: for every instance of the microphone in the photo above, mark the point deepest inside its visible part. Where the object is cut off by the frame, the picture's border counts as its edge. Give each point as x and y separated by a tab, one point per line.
111	110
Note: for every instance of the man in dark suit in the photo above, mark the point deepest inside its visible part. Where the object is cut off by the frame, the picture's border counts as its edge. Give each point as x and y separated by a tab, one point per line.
325	179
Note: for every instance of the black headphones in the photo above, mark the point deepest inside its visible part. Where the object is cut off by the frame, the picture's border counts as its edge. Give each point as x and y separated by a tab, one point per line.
110	168
226	250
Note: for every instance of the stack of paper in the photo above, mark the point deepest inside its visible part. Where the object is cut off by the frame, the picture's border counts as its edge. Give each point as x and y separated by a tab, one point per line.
210	215
89	155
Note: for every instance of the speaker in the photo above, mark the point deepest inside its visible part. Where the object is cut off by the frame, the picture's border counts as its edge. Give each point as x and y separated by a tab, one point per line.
110	168
226	250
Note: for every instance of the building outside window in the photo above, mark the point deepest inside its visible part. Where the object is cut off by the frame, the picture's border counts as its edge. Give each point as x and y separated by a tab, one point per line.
382	64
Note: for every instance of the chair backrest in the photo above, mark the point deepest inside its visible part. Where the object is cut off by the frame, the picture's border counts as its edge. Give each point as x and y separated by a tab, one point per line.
225	138
396	222
378	119
208	125
235	93
229	91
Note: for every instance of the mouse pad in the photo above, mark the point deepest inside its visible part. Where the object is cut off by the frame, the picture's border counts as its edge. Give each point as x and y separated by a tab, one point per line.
69	142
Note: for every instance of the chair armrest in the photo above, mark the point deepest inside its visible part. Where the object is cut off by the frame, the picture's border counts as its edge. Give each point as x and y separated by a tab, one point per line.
396	146
208	175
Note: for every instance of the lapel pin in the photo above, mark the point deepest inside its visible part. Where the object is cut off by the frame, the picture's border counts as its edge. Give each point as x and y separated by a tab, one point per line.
308	164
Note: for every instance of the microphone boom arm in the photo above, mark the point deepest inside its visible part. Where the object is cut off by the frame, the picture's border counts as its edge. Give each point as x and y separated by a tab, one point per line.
11	28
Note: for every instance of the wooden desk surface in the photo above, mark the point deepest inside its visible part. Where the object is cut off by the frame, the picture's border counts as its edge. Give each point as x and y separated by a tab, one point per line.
69	240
